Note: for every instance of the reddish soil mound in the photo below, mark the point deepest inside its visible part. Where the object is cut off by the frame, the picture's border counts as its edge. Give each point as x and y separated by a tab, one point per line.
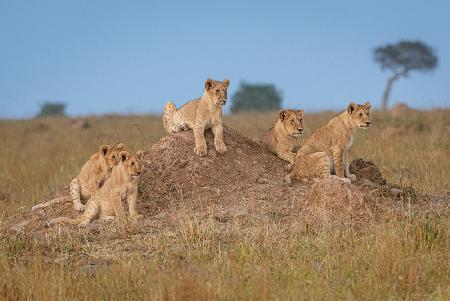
366	170
246	176
401	110
245	184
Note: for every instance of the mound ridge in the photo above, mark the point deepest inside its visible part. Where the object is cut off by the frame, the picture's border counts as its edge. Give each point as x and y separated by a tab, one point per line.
245	184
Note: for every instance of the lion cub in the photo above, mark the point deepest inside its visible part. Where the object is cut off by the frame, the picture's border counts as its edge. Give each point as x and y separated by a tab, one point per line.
200	114
93	174
327	148
120	186
283	138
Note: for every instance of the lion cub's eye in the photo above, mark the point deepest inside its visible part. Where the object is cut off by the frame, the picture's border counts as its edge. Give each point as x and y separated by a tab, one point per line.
132	163
217	91
360	114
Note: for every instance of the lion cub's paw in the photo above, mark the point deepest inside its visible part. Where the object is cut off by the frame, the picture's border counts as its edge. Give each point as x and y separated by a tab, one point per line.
200	150
79	207
345	180
220	147
137	217
352	177
287	179
84	223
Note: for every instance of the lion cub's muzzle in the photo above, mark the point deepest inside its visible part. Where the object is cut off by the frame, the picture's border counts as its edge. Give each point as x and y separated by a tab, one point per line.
299	132
221	102
367	124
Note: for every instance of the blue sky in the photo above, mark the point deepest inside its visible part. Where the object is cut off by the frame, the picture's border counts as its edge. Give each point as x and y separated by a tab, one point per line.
132	56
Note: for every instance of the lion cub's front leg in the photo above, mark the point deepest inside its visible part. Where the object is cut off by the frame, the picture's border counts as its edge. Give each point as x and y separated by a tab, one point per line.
338	160
117	206
346	167
217	130
200	142
132	200
286	155
91	212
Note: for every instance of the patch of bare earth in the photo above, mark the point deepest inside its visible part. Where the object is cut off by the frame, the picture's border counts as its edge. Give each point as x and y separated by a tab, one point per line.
243	188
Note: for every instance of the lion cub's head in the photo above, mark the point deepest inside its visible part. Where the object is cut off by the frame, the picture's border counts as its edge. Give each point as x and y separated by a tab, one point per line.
132	162
359	114
217	91
111	154
292	121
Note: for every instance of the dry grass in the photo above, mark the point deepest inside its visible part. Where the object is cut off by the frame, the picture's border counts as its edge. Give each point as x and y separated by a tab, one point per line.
403	259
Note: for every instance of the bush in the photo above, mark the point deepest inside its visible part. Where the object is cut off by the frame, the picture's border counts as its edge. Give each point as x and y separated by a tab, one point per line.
52	109
256	97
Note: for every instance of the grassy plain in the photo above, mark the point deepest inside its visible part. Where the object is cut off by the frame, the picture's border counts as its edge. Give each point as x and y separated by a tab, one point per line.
404	259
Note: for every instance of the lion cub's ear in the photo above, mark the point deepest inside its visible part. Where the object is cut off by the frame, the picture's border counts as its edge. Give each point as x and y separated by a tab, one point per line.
104	149
367	105
120	147
283	114
300	112
139	154
226	82
208	84
124	155
351	107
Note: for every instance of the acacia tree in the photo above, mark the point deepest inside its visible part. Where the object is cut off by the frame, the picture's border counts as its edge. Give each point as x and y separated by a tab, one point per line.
402	58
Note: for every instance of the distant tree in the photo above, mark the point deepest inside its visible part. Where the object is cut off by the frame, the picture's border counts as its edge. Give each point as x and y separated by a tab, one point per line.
52	109
401	59
256	97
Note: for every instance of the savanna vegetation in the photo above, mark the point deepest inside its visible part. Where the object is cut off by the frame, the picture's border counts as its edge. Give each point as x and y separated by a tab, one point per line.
256	98
407	258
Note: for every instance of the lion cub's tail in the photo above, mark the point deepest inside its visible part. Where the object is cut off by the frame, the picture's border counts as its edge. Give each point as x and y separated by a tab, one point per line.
169	111
72	221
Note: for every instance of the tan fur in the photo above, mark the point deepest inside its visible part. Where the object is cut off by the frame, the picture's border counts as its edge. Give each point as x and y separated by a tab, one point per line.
199	115
93	174
283	138
328	147
107	202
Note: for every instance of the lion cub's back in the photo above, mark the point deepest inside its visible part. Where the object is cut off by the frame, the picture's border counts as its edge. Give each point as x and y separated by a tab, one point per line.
92	169
319	141
186	113
268	140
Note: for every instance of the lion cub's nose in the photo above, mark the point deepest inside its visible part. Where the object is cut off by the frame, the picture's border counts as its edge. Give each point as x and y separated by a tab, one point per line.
368	122
300	130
